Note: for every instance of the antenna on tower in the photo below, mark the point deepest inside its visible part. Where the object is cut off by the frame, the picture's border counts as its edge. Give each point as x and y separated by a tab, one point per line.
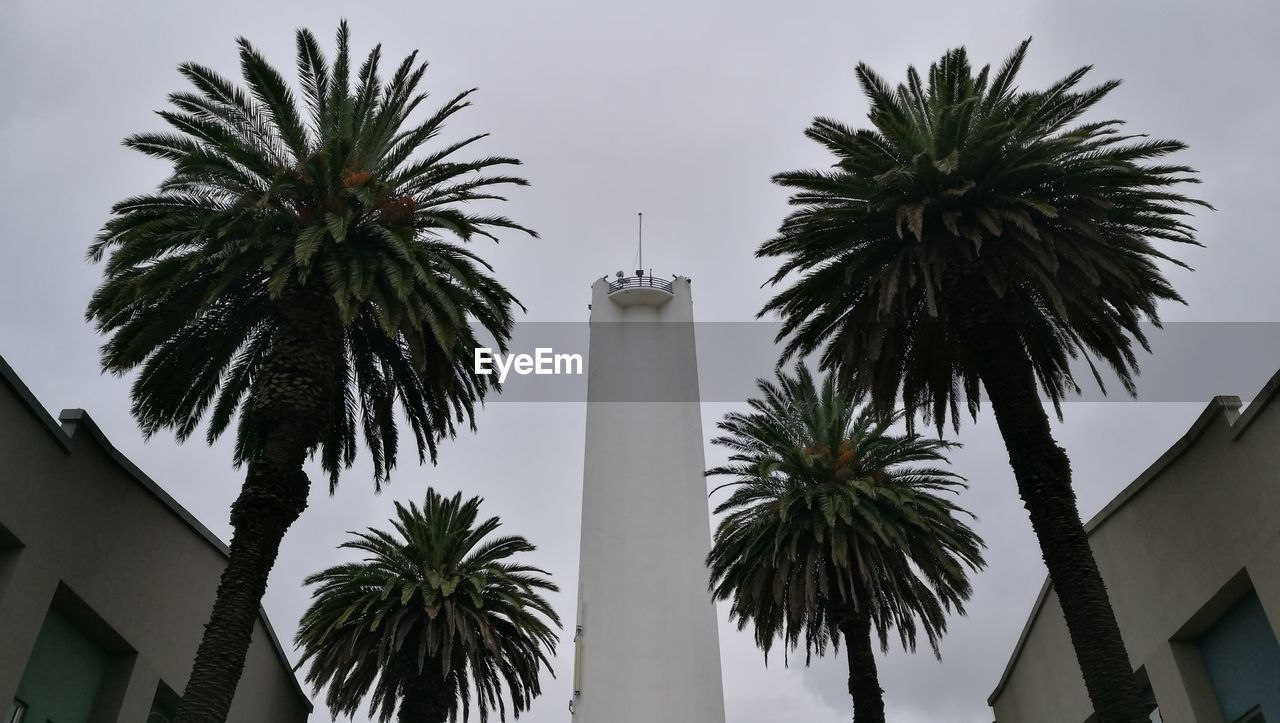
639	243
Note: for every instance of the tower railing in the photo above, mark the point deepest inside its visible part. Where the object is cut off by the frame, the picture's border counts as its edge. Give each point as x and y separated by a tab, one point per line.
640	282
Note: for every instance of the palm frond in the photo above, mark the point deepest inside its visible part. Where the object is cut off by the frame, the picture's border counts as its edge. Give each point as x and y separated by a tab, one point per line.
970	199
345	195
434	608
830	514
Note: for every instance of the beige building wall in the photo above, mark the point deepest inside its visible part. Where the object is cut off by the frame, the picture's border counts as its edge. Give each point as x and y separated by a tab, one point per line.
83	530
1178	547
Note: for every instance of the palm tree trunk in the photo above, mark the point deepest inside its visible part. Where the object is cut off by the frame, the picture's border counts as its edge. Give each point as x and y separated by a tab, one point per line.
864	679
426	699
290	408
1043	474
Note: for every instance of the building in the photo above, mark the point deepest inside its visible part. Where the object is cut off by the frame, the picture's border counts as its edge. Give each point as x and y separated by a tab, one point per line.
1190	553
646	647
106	583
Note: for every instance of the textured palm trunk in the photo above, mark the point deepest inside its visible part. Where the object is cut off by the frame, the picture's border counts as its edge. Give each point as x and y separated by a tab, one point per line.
290	409
864	678
1043	474
426	699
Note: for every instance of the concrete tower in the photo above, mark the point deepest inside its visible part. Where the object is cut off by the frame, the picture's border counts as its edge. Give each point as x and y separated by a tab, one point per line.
646	648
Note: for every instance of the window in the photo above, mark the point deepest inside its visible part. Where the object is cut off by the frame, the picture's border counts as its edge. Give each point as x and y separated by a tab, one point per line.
164	706
78	667
1253	716
1153	710
1242	659
10	549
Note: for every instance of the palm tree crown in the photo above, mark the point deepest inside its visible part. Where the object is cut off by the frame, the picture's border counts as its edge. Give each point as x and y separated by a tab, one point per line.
966	196
832	515
980	237
436	609
338	202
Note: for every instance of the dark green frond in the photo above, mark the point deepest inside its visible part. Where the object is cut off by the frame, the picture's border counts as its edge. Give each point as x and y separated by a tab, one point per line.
831	514
347	195
439	602
970	199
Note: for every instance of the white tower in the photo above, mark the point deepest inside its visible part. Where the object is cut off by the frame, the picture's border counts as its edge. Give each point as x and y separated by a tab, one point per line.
646	647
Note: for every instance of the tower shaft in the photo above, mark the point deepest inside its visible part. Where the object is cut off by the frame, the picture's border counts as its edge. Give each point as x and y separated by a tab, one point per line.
647	649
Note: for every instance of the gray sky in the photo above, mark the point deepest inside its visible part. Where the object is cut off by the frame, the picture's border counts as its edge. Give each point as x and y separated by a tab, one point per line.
682	110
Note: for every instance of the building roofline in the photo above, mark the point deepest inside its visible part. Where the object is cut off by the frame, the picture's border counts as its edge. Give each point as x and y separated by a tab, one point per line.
1225	407
33	405
74	419
1260	402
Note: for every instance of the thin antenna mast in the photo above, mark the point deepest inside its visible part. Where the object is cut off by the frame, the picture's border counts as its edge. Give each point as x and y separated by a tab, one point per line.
640	240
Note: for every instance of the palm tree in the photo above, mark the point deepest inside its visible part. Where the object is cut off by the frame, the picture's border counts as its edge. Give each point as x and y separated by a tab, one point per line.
835	531
436	614
980	234
298	277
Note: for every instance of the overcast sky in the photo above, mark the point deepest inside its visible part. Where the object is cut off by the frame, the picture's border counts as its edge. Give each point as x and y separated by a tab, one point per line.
682	110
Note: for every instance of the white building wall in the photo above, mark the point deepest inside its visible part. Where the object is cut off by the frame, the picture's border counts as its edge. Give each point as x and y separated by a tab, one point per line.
647	648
